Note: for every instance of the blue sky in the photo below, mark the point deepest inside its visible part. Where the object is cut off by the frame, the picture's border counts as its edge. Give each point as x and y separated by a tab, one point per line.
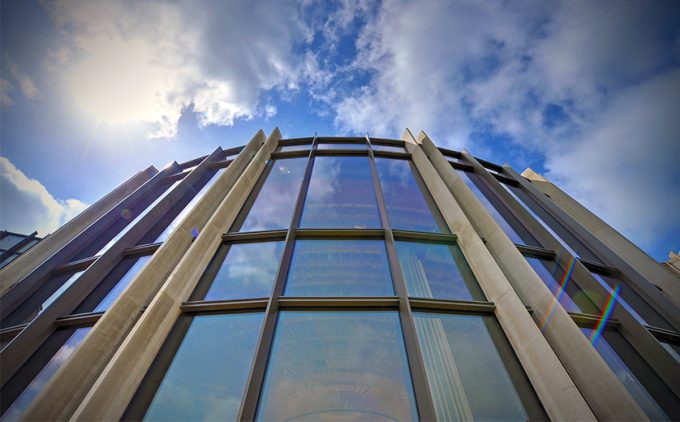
586	93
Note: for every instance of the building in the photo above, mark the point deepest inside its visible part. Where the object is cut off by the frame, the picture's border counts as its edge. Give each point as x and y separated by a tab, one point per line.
12	245
338	279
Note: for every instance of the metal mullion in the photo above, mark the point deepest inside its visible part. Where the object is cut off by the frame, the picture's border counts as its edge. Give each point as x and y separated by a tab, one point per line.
290	154
85	319
424	237
421	390
145	249
201	307
247	237
75	265
258	368
340	152
339	233
392	154
335	303
221	164
591	321
536	251
463	306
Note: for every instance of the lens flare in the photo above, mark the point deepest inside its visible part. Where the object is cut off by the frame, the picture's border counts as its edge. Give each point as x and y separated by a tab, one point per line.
604	316
560	292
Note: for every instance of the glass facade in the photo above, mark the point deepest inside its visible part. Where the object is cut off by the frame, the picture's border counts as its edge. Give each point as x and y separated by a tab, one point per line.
339	268
340	195
407	206
208	374
337	366
328	287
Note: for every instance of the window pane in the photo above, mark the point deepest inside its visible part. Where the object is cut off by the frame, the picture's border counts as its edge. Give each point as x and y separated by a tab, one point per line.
623	370
407	207
569	295
437	271
341	146
122	284
139	217
390	148
275	202
467	377
500	220
10	240
337	366
248	271
286	148
68	283
8	260
36	385
208	375
187	209
341	195
339	268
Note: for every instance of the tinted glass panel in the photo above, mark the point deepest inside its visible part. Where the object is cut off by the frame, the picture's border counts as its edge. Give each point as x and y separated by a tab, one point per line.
10	240
341	146
8	260
390	148
341	195
187	209
500	220
36	385
467	377
248	271
339	268
68	283
337	366
122	284
208	375
623	370
437	271
139	217
275	202
286	148
569	295
407	207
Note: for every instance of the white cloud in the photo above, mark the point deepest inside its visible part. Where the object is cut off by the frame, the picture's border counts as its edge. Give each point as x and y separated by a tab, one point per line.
5	88
25	82
26	204
149	61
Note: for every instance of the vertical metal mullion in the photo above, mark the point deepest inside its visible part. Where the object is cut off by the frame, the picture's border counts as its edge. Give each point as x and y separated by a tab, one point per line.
257	371
416	364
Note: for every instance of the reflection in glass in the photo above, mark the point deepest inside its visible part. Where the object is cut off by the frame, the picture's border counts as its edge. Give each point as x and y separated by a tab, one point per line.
337	366
10	240
287	148
437	271
139	217
570	296
187	209
407	207
467	378
54	296
275	202
248	271
390	148
24	399
624	373
341	195
122	284
339	268
340	146
207	378
500	220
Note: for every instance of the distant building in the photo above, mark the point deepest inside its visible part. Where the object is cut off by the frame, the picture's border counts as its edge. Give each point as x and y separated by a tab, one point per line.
12	245
326	278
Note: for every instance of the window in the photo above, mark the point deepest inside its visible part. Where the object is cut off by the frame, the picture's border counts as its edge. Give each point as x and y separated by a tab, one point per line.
207	377
273	204
27	383
562	286
437	271
288	148
339	268
241	271
340	195
491	209
337	366
467	375
9	240
407	206
187	209
638	378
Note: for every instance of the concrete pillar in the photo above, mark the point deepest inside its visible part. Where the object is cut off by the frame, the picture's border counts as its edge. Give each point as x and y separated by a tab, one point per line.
115	386
603	391
22	266
555	389
67	388
644	264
